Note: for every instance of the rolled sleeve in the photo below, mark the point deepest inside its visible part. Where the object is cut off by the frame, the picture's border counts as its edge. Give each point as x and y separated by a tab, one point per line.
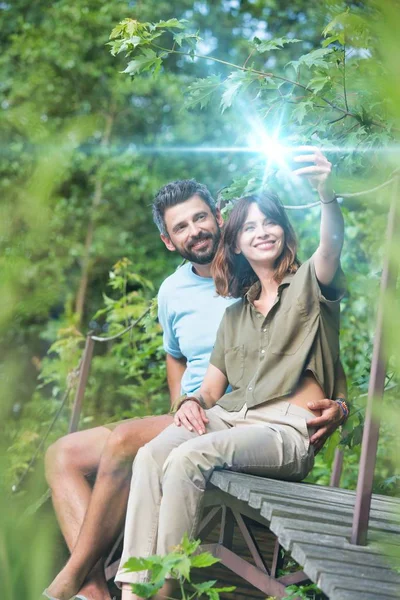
330	294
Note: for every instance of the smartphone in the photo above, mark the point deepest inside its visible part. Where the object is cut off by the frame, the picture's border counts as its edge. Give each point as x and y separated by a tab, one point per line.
292	164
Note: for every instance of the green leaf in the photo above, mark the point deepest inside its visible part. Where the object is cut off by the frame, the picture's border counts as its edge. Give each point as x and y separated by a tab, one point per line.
204	560
171	24
191	39
331	445
315	58
138	564
201	91
148	60
274	44
349	27
238	80
189	546
183	567
318	83
301	110
146	590
201	588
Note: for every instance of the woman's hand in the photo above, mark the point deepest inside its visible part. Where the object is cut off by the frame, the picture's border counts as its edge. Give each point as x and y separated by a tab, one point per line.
192	416
319	171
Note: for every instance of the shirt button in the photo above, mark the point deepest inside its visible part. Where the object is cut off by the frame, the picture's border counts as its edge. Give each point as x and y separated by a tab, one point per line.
262	351
265	330
258	316
250	388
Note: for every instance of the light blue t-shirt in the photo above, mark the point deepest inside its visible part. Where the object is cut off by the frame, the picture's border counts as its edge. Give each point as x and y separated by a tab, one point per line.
190	312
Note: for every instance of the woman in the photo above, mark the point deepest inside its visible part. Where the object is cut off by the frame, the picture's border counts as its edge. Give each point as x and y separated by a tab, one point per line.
278	348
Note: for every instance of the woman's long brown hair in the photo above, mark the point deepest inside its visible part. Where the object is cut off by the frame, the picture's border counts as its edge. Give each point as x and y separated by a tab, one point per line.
232	273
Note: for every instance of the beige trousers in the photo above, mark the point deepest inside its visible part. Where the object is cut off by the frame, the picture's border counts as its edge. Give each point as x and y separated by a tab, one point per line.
170	473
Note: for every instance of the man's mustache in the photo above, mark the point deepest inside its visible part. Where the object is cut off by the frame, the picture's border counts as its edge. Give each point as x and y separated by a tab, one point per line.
200	238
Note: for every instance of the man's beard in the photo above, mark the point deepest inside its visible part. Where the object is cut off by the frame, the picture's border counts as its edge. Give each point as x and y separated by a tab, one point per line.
201	257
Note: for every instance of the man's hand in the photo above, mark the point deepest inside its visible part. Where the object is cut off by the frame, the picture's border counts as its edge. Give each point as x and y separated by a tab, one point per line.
192	416
327	423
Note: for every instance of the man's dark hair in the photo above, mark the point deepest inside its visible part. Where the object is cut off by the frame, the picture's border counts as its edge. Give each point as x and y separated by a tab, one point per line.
175	193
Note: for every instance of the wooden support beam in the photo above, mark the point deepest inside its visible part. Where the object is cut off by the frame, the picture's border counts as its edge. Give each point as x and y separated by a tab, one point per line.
80	390
255	576
250	542
375	392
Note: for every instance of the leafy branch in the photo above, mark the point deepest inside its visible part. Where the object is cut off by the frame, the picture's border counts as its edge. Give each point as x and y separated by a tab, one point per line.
141	41
178	565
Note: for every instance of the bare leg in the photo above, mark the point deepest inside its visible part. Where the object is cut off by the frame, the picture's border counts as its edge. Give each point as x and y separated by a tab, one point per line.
106	511
68	461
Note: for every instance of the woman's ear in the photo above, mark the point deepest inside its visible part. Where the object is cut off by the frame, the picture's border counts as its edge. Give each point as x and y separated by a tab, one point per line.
219	218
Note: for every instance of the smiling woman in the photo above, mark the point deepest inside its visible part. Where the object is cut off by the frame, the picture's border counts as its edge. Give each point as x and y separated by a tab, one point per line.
254	222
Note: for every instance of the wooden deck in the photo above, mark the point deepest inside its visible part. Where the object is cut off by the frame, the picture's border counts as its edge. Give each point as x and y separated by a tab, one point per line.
313	523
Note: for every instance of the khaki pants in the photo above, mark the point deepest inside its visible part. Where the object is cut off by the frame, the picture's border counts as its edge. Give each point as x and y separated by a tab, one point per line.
170	473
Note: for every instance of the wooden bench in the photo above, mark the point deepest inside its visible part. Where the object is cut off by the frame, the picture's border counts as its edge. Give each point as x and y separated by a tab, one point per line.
313	523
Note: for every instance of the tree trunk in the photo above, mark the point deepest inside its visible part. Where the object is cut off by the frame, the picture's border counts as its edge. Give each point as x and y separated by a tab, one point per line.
97	198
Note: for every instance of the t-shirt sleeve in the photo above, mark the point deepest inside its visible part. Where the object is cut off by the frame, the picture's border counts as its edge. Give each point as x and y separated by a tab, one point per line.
217	357
166	316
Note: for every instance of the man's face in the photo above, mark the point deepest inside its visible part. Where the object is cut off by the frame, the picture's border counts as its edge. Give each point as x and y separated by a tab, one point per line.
193	230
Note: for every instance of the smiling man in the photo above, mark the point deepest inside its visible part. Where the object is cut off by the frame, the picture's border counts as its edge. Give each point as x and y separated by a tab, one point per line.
189	312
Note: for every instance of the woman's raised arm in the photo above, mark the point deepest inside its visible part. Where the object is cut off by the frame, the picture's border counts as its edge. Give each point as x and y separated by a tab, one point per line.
327	255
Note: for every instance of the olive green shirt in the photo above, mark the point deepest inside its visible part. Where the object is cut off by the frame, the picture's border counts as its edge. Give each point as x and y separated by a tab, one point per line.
264	358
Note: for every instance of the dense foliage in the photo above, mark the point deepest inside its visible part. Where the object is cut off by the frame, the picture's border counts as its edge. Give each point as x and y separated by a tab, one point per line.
89	136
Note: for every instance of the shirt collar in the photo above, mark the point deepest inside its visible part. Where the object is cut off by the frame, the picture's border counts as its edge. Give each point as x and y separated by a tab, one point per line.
254	291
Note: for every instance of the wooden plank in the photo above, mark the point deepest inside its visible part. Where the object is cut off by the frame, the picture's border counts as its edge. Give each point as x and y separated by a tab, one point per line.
346	595
291	536
336	501
279	524
229	479
309	511
315	567
302	551
328	583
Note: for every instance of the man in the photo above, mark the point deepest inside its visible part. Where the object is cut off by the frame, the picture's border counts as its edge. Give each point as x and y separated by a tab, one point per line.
189	312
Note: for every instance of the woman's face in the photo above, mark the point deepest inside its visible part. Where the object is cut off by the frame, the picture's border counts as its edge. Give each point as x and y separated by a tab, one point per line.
261	240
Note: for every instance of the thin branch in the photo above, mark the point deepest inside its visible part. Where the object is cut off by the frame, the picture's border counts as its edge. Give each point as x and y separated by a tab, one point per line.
344	77
248	58
263	74
337	120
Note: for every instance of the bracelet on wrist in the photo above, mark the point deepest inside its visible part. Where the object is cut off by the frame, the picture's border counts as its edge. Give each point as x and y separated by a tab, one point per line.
343	407
329	201
199	399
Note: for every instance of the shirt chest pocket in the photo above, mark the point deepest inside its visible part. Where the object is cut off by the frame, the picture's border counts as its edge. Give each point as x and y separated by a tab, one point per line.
291	330
234	362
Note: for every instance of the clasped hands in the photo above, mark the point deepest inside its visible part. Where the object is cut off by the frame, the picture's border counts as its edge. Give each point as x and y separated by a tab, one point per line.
192	416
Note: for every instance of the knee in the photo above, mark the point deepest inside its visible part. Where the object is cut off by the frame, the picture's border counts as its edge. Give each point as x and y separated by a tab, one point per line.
186	463
123	443
151	457
60	457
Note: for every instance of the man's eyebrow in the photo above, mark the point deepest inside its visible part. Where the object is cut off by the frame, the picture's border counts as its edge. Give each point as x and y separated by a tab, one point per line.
176	227
195	216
